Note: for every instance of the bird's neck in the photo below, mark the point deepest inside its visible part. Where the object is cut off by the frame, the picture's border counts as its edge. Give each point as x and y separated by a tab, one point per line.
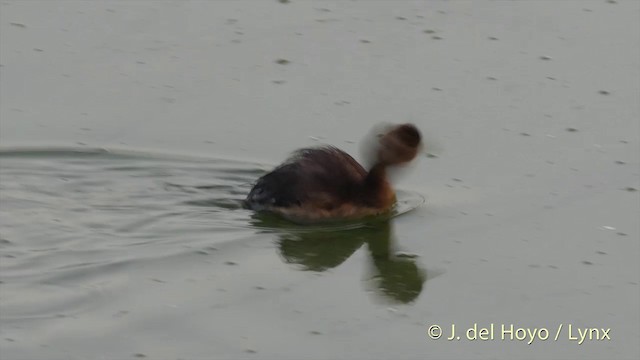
376	188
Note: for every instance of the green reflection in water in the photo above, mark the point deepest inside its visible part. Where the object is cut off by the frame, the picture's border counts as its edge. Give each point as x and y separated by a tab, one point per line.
322	247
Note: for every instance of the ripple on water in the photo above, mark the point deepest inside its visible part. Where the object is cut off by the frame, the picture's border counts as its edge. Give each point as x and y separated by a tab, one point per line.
71	217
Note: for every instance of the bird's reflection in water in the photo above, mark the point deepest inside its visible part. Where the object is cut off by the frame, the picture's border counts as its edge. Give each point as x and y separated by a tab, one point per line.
319	248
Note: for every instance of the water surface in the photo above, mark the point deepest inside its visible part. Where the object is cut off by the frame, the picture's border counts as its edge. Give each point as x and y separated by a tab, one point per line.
79	224
532	205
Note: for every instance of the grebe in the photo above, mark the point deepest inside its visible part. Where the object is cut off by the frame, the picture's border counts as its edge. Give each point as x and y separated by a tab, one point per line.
325	183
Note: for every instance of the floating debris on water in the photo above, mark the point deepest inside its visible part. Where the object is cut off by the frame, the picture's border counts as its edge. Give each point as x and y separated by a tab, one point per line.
570	129
586	262
545	57
282	62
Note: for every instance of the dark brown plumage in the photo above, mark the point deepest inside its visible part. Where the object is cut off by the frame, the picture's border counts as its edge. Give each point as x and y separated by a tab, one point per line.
327	183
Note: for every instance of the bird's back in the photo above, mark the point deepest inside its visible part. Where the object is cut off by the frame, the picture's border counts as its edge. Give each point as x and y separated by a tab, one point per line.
321	177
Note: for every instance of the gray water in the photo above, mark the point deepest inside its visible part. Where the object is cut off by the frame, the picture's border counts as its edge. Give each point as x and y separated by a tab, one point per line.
79	224
522	210
123	254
